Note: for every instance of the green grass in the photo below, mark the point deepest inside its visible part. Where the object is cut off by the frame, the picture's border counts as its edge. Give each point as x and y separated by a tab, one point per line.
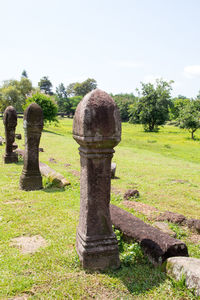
151	162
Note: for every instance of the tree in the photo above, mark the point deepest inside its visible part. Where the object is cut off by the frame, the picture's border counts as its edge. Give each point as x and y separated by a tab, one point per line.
152	106
45	85
81	88
14	92
189	117
47	104
177	105
123	102
24	74
62	99
74	101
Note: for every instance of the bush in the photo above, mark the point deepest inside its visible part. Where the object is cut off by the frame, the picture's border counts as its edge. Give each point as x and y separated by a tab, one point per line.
47	104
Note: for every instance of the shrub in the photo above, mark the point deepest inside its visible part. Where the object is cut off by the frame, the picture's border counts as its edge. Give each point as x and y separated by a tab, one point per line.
47	104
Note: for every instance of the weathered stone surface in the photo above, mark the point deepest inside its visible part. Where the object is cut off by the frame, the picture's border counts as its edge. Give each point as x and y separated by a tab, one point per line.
194	224
187	267
10	123
57	178
171	217
97	128
113	170
157	245
131	194
18	136
164	227
31	178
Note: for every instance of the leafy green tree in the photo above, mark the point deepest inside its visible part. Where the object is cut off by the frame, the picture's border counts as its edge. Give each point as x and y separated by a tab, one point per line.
74	101
177	105
152	106
189	117
62	99
45	85
123	102
14	92
198	96
47	104
81	88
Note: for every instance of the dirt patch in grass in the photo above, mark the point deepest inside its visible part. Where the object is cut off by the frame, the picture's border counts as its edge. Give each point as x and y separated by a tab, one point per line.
13	201
145	209
179	181
22	297
29	244
75	173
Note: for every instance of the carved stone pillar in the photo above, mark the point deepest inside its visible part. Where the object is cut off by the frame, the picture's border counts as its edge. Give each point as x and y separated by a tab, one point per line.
10	123
97	128
31	178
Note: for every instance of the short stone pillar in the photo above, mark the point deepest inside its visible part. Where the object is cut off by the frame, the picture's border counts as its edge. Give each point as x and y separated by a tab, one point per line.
10	123
97	129
31	178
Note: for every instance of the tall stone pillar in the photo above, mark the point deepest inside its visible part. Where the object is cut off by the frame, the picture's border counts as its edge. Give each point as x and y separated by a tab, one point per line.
10	123
31	178
97	129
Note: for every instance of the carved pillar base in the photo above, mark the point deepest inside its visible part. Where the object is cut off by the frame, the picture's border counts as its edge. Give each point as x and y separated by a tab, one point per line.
30	182
11	158
97	253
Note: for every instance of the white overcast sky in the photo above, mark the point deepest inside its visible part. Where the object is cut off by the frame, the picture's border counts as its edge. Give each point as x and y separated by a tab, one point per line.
118	42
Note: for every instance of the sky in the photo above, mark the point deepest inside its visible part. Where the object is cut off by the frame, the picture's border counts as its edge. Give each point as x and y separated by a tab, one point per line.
119	43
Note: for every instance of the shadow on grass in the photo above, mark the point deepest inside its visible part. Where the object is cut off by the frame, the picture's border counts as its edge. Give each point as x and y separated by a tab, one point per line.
49	131
53	190
139	277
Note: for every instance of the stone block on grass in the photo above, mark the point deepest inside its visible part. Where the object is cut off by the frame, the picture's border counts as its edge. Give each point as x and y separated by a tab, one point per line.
157	245
187	268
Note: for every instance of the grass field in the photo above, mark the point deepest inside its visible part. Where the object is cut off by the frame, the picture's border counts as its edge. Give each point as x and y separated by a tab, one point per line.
163	166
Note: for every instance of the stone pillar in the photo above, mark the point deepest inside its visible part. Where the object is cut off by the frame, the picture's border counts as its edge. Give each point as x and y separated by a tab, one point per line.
31	178
97	128
10	122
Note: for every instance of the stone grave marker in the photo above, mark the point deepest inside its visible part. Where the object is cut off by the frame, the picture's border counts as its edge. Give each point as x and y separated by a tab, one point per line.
10	123
31	178
97	129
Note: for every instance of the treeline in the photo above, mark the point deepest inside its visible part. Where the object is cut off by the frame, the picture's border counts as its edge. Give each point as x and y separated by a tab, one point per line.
152	106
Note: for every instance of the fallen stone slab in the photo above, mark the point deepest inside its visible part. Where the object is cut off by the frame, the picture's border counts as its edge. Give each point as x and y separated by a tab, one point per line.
57	179
158	246
164	227
171	217
131	194
187	268
194	224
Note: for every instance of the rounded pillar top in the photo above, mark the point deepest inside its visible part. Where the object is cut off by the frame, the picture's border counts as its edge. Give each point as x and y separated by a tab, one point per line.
97	121
10	117
33	116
